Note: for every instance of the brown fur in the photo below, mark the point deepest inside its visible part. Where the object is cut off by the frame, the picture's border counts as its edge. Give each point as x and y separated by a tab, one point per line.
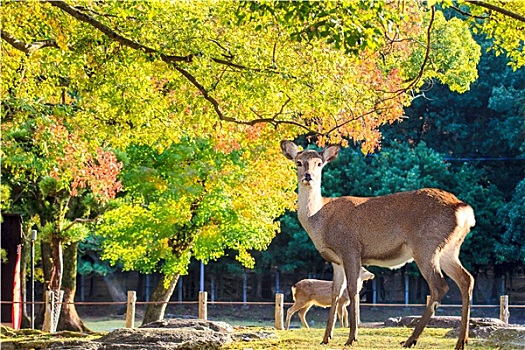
426	225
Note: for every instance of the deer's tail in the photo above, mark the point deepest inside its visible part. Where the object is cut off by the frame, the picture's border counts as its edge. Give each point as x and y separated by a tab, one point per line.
293	293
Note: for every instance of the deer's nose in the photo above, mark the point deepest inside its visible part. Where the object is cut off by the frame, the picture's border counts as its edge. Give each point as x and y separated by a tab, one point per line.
307	177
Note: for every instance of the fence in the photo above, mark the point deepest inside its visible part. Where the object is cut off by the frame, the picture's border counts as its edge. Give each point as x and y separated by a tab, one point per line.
52	308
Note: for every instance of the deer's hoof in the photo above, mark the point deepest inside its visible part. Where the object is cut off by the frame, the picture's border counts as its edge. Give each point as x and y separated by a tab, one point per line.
350	342
460	345
409	343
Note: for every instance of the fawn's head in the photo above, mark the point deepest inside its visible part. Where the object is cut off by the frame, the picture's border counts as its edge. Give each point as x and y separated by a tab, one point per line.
309	163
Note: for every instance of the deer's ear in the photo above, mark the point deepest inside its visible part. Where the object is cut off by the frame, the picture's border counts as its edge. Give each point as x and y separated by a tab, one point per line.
330	153
289	149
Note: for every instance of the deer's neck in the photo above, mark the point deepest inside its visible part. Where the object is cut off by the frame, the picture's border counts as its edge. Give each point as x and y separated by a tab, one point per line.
309	203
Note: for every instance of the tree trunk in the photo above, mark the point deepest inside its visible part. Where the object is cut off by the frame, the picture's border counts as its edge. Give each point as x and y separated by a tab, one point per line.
69	319
47	265
55	281
55	284
24	262
161	294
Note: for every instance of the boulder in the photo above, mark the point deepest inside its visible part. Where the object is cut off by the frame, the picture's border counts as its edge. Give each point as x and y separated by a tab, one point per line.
184	338
507	338
442	322
180	334
216	326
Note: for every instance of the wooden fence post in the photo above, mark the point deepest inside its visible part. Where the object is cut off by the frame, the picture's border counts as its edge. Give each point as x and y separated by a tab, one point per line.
203	305
504	312
130	310
279	298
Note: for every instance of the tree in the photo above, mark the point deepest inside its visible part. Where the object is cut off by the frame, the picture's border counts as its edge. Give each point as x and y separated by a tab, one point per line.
155	73
511	250
485	128
189	200
503	23
239	73
56	177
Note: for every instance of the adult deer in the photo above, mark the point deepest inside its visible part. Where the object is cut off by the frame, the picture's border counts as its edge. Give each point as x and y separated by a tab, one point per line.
309	292
427	226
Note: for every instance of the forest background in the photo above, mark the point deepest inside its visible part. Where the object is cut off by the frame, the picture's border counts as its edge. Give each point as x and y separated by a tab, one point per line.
138	136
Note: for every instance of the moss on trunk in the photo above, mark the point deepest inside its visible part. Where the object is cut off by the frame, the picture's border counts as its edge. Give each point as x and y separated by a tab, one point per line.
69	318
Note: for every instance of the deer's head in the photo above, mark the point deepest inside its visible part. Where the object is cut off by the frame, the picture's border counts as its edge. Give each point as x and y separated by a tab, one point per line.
309	163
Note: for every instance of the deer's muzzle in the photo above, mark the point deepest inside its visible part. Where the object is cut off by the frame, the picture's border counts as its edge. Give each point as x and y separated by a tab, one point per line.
307	178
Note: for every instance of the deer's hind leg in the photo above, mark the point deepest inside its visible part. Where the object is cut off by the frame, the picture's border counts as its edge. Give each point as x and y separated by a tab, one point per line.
452	267
431	271
342	313
302	314
290	312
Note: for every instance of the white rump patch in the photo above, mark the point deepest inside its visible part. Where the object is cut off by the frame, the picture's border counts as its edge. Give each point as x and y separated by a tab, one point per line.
465	217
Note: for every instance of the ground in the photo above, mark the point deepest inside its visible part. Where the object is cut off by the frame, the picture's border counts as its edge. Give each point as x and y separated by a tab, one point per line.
102	318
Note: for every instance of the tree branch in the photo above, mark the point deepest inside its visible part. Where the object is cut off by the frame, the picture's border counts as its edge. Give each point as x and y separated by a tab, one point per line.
170	59
83	17
427	51
458	10
79	15
498	9
77	220
25	47
222	116
175	60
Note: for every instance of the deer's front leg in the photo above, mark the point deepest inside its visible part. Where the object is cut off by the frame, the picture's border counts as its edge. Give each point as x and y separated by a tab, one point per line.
339	284
353	318
353	270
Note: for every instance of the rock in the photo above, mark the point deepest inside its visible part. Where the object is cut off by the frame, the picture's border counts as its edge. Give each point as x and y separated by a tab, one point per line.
442	322
435	321
503	337
508	338
180	334
164	338
216	326
249	336
393	322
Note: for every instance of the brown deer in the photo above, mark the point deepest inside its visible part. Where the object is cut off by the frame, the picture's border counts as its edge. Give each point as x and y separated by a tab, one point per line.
427	226
309	292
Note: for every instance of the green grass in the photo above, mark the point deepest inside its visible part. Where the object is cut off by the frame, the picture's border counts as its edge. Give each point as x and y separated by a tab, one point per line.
106	324
310	339
296	339
369	338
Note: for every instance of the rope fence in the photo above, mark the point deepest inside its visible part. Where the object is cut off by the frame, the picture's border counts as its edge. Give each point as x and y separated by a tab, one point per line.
53	304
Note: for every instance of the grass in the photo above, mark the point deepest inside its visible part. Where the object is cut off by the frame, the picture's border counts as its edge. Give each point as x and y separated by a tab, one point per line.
105	324
296	339
369	338
258	320
310	339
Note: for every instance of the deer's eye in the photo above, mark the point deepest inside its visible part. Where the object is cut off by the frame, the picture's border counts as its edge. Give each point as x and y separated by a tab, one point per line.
319	163
299	163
